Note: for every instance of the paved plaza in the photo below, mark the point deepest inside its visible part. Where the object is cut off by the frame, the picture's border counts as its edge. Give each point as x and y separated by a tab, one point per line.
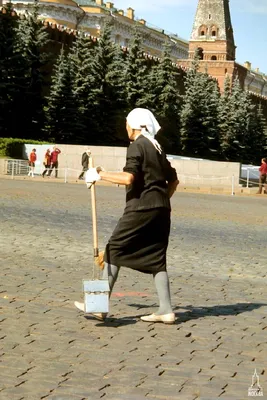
218	271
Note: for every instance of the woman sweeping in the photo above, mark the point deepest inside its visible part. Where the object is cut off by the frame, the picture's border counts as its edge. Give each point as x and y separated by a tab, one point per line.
140	239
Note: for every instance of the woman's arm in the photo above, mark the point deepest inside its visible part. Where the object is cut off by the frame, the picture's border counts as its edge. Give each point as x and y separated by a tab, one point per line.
172	187
119	178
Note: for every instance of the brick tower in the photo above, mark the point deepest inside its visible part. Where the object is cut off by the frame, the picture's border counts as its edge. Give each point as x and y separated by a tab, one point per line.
213	39
212	35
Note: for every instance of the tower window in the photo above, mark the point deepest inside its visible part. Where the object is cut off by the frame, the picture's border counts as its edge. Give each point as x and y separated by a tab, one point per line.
213	58
200	53
213	33
202	30
209	16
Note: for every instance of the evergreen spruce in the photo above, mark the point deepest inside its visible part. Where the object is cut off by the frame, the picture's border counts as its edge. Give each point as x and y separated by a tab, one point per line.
62	122
255	139
225	118
263	127
108	97
136	73
199	115
119	97
238	122
211	116
163	98
33	37
241	125
11	72
80	63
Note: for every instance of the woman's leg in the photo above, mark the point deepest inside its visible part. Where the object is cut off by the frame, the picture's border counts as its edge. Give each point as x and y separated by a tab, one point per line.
110	272
162	284
165	313
260	185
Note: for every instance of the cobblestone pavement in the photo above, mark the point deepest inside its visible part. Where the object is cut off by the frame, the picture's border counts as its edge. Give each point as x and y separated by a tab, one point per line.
217	264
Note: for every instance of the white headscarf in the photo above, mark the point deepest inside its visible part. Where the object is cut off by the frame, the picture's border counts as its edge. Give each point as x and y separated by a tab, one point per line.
141	118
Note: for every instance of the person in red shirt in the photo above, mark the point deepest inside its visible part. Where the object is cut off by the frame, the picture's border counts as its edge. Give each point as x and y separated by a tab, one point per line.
32	160
54	161
263	175
47	162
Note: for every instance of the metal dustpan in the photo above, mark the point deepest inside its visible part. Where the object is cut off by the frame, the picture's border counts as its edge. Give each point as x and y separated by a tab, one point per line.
96	291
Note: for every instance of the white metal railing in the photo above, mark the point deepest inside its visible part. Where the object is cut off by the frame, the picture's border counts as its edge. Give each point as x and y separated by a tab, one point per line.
250	176
16	167
221	181
21	168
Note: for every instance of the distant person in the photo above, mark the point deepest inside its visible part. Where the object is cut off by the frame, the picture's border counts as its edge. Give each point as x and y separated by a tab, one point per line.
47	162
263	175
32	160
85	162
54	161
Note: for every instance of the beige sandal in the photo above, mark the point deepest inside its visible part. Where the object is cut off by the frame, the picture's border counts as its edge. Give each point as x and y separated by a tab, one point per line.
98	316
165	318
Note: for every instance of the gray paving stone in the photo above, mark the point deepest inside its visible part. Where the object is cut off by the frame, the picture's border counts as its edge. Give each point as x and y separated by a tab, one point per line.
218	286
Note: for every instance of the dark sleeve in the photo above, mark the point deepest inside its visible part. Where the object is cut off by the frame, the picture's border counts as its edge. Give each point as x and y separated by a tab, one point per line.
169	171
133	159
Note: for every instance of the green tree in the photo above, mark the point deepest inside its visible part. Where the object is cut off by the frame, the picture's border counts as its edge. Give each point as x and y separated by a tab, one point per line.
136	71
225	119
81	67
255	142
62	111
119	96
107	89
11	71
164	99
199	115
33	37
241	125
238	120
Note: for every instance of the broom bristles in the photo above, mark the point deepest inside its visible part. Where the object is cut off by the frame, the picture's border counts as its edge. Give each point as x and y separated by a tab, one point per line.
99	261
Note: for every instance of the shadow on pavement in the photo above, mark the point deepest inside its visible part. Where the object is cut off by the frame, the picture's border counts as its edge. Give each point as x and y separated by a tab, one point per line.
140	306
113	322
188	313
191	312
218	310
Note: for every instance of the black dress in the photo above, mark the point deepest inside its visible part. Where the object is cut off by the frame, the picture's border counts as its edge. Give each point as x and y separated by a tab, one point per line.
140	239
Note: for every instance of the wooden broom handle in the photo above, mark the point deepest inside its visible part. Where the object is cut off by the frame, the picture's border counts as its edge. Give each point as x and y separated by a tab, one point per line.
94	221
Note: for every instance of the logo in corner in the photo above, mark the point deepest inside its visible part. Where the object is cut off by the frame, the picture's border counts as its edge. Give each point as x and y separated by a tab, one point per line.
255	389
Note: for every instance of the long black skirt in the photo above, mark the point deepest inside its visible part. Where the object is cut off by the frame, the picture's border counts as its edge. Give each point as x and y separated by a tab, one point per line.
140	241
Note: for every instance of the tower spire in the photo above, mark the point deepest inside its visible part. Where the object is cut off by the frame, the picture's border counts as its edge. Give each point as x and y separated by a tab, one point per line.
212	35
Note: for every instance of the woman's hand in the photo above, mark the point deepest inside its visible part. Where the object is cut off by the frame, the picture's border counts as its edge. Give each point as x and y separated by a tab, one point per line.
91	177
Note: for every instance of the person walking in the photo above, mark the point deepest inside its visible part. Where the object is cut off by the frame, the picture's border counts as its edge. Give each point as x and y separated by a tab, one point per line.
47	162
85	162
32	160
54	161
263	175
140	239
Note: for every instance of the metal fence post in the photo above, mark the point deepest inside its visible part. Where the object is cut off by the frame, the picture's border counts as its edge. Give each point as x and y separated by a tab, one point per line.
12	169
65	175
233	185
247	178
